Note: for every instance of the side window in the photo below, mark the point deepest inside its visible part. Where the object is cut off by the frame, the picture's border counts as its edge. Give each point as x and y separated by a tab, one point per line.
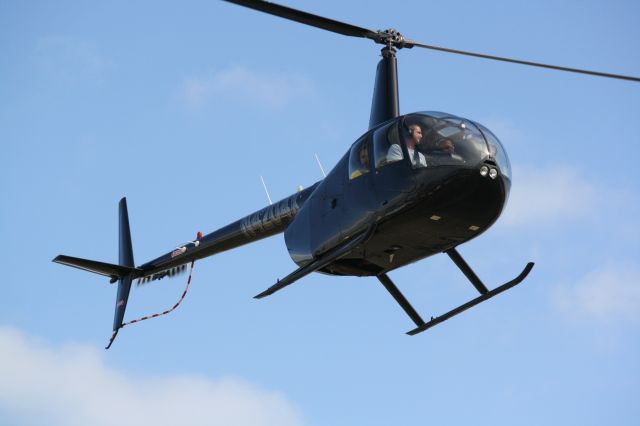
386	145
359	159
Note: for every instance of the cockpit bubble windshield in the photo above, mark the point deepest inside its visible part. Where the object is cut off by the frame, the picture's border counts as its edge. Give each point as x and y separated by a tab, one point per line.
443	140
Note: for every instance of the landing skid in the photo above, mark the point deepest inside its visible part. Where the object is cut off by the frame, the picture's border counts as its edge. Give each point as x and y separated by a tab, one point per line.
437	320
485	293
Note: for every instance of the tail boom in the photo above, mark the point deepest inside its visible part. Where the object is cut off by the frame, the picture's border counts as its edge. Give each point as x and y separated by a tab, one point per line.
263	223
268	221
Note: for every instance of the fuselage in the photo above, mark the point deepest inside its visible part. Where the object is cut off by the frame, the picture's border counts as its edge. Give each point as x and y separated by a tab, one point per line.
421	201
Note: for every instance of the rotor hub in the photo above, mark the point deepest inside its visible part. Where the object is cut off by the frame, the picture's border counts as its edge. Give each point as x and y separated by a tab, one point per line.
392	37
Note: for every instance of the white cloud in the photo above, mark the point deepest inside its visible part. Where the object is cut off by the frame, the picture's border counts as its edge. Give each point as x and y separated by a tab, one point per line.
541	196
242	84
608	294
72	385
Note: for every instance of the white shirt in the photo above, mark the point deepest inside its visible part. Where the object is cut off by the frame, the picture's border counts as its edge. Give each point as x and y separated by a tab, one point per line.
395	154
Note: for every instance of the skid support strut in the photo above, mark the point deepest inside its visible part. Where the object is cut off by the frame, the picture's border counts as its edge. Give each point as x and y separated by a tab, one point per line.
402	301
467	271
485	293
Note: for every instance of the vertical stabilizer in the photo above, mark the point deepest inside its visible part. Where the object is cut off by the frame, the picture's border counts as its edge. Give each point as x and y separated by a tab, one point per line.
125	258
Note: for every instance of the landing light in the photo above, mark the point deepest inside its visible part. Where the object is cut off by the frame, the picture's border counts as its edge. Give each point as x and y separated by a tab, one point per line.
483	171
493	173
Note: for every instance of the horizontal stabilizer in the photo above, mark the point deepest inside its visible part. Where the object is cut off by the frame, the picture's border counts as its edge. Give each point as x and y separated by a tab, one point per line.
107	269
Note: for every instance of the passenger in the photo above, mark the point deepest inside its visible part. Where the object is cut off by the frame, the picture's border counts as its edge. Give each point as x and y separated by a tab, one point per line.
363	156
446	148
414	139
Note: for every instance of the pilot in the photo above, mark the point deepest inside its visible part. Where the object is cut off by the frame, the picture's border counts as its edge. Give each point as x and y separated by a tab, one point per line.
363	156
412	141
446	149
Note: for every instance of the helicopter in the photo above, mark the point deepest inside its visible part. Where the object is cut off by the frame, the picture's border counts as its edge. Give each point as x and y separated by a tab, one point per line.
412	186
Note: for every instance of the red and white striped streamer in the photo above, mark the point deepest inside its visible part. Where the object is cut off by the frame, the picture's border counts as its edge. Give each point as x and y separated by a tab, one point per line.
184	294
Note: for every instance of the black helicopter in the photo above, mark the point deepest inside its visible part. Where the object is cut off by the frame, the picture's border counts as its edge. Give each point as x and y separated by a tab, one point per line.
411	186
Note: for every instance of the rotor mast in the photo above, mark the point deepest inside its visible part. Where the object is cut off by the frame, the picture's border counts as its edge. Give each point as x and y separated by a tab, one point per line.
385	103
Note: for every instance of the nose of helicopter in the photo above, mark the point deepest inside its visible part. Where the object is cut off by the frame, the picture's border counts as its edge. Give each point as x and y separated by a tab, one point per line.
460	202
489	169
487	195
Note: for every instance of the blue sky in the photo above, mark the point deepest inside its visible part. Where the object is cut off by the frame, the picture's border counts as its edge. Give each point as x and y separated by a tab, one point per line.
181	106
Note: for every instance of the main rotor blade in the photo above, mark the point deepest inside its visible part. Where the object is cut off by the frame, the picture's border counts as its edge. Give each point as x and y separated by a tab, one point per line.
393	38
533	64
308	18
